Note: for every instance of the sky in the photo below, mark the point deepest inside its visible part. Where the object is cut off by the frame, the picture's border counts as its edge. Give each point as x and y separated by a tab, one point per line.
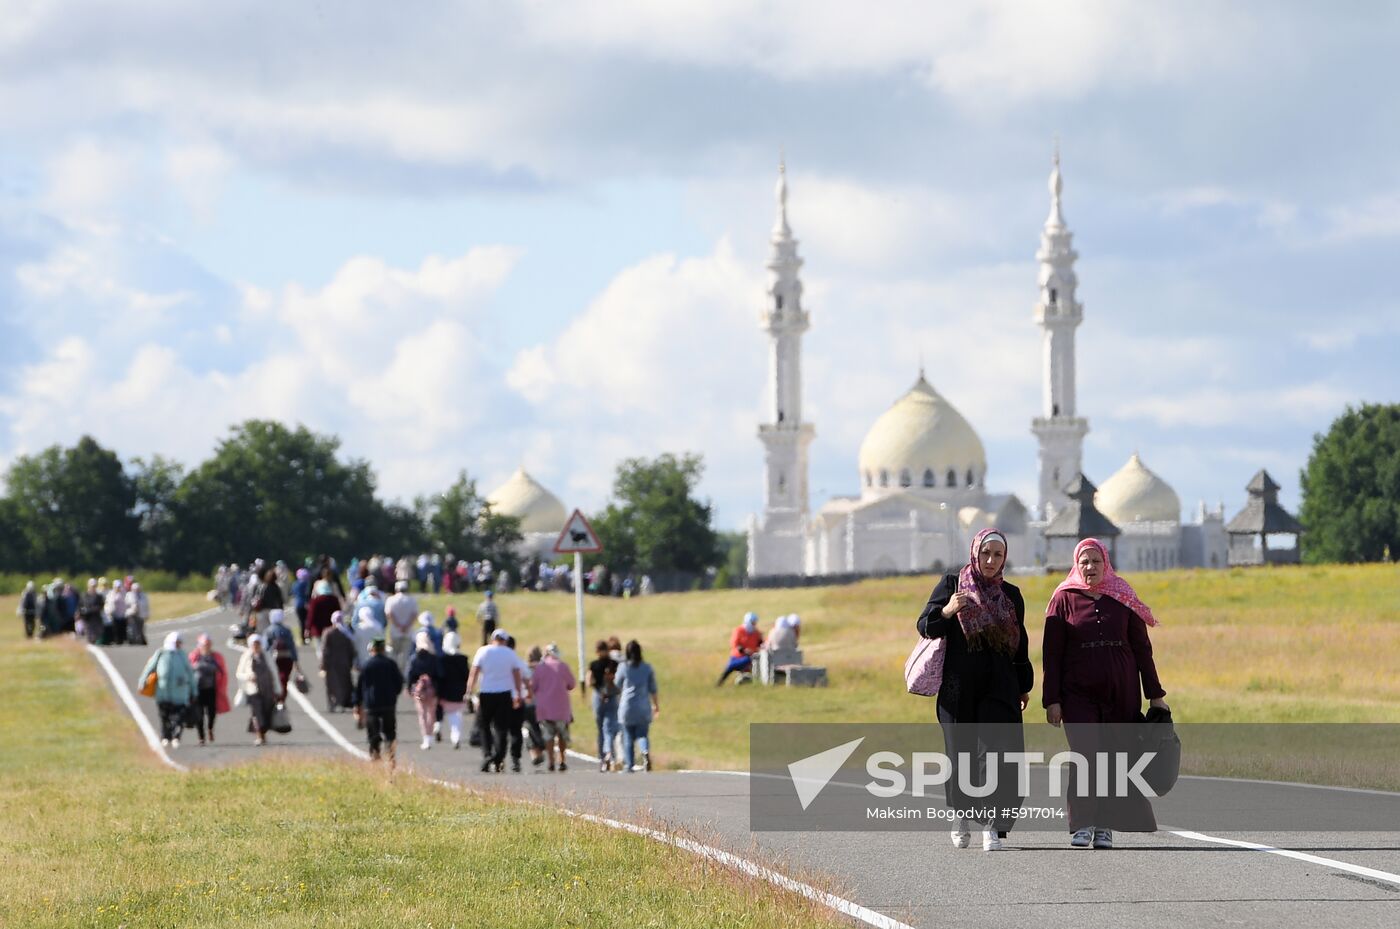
481	235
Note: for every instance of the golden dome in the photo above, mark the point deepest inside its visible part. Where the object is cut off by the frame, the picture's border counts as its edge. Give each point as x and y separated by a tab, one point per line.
1134	494
526	498
918	442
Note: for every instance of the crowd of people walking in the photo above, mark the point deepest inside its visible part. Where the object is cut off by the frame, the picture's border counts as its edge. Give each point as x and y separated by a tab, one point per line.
103	614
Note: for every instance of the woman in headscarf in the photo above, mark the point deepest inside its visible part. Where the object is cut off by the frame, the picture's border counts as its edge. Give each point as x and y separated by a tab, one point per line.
452	685
424	680
259	681
987	679
174	688
1098	666
786	631
281	646
211	686
319	609
337	662
743	643
367	629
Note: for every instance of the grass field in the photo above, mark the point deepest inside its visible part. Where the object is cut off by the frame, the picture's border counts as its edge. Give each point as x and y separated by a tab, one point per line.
1297	644
98	834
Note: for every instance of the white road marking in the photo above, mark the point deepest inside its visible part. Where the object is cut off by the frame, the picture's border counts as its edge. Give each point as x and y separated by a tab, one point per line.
1290	853
128	698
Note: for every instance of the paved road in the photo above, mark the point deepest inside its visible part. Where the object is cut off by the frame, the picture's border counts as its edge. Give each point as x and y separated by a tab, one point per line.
1162	879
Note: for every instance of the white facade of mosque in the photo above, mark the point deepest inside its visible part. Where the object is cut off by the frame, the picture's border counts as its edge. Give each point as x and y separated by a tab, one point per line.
922	468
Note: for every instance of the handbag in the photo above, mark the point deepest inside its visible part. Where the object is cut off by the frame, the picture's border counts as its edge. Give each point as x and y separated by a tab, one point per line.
1157	734
923	669
299	682
281	721
148	689
240	697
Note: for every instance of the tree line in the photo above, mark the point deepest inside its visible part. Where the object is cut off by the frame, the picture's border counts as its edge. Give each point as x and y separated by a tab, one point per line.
274	491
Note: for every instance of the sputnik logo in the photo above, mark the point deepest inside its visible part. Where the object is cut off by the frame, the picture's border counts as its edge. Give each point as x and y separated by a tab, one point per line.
810	775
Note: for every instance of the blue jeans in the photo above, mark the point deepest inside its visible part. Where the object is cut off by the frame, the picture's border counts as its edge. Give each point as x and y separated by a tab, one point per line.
605	715
632	734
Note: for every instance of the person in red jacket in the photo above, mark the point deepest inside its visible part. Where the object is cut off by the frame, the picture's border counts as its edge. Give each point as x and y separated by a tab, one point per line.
742	645
211	679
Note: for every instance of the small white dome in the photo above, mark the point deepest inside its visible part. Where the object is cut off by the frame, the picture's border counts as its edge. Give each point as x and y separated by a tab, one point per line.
921	439
526	498
1134	494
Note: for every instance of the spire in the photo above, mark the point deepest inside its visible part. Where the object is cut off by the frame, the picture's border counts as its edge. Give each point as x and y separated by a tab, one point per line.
780	225
1056	218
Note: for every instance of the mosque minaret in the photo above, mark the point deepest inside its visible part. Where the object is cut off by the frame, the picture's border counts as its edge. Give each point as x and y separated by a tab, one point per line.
1059	431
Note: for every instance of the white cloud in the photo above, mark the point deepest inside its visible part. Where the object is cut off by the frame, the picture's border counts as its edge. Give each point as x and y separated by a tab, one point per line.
88	180
1226	406
199	171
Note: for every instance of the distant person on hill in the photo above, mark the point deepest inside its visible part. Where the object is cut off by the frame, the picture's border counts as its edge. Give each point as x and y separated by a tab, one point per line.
987	679
401	611
301	602
211	687
320	612
745	641
281	647
90	606
488	616
114	613
28	609
551	681
138	610
1098	664
638	706
258	679
601	677
455	668
338	656
786	631
496	678
424	680
175	688
376	700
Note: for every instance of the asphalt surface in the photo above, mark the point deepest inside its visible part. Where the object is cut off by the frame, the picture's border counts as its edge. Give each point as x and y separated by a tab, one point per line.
918	878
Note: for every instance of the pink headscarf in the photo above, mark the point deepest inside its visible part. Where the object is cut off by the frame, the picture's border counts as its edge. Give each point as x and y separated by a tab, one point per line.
990	622
1112	585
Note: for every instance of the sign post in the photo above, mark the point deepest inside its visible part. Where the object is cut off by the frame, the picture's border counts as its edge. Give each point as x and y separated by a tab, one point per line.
579	538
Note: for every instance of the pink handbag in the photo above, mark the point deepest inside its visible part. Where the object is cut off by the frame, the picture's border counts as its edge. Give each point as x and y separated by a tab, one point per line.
923	671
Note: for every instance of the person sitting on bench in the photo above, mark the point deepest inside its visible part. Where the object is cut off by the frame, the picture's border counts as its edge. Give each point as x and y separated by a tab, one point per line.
745	641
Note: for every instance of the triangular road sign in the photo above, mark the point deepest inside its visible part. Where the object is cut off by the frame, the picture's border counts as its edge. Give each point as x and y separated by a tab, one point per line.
811	774
578	536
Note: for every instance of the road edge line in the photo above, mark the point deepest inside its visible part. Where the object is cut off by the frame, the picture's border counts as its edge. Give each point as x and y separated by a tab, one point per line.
1359	870
129	699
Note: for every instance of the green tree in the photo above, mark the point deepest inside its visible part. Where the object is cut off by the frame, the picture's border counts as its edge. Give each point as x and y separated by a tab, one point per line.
276	492
734	555
74	508
460	522
156	482
653	522
1351	488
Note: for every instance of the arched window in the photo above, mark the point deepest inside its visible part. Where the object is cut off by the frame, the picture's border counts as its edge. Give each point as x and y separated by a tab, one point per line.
778	301
1054	297
869	479
969	477
904	478
1056	477
952	478
884	478
929	479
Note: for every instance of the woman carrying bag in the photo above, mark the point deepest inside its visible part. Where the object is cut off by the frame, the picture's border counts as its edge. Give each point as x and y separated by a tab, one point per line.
986	681
174	688
258	681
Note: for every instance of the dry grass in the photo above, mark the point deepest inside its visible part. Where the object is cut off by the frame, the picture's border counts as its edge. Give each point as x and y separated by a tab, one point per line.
98	834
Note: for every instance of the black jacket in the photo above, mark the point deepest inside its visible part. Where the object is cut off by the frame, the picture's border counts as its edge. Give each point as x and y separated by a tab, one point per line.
972	676
424	663
452	685
379	684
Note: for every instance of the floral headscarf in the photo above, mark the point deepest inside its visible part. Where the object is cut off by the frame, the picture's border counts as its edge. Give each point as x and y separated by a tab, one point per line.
1111	585
990	620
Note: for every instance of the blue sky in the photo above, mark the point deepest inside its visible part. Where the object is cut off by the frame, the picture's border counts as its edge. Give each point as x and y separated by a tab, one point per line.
477	235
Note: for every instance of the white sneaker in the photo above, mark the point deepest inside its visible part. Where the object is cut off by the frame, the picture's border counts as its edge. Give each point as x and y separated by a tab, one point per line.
1103	838
1082	838
960	836
175	743
991	842
427	744
165	742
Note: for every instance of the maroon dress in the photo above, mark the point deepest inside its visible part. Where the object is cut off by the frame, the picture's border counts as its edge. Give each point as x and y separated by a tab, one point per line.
1098	667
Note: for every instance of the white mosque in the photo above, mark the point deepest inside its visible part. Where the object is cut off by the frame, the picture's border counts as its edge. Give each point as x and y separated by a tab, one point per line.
541	514
922	469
